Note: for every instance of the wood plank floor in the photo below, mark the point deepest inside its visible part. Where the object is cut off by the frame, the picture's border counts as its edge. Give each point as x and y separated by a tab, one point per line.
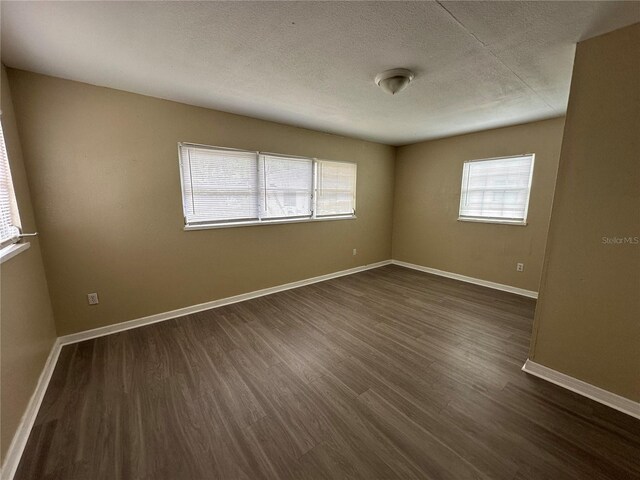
386	374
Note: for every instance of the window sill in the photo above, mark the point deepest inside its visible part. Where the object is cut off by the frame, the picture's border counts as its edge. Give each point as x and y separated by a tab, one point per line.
12	250
271	222
519	223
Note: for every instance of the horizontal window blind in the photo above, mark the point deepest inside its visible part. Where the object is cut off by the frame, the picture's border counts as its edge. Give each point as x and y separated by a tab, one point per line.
286	186
336	188
219	185
496	189
9	222
226	187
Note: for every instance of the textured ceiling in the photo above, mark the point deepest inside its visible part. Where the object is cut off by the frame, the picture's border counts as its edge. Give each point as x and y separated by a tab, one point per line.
478	65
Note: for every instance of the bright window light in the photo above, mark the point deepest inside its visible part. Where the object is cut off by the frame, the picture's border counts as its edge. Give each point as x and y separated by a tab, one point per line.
496	190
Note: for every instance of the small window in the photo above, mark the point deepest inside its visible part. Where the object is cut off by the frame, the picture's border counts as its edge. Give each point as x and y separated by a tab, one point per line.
9	218
496	190
336	191
225	187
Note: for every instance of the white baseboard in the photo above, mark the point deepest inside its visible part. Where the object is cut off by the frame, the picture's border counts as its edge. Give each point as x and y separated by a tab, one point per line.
583	388
180	312
14	453
464	278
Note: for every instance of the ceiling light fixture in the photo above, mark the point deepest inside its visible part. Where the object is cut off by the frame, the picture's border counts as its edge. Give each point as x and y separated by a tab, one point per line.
395	80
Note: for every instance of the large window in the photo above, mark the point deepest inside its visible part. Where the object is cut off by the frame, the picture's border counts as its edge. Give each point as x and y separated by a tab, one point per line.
226	187
496	190
9	219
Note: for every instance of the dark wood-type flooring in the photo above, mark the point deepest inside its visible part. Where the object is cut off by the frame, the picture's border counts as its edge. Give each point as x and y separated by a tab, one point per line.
386	374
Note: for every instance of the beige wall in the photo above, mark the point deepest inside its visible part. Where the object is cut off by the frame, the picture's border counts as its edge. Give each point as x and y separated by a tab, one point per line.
427	197
104	179
27	331
588	317
104	176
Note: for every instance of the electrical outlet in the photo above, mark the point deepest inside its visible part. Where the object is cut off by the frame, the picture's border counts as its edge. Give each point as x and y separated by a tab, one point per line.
355	252
520	267
92	298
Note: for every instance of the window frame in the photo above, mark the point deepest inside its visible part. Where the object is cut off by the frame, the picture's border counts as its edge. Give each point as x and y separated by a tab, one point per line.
261	192
497	220
207	225
12	246
13	200
316	196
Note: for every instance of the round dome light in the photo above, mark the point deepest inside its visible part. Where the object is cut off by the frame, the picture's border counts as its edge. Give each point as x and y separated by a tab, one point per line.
394	80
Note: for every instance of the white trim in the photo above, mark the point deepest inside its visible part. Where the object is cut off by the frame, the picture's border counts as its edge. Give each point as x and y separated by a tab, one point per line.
251	223
12	250
585	389
520	155
464	278
14	453
180	312
496	221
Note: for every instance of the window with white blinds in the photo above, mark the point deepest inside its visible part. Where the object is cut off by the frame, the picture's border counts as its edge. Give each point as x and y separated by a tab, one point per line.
218	185
336	190
9	220
225	187
497	189
286	186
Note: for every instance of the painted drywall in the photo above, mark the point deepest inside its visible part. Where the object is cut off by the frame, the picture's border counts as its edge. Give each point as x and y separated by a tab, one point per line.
27	330
103	170
426	230
587	323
